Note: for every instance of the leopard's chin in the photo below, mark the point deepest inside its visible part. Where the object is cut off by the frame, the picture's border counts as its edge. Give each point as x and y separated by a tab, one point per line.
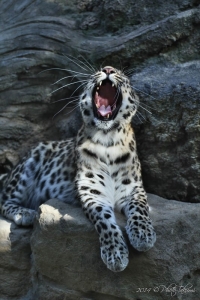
106	100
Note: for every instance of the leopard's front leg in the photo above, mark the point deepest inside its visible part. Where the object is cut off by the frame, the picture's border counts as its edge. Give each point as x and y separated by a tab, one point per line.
99	209
139	226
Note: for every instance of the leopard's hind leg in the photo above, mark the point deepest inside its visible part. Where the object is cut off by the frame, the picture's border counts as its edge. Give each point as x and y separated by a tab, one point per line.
16	195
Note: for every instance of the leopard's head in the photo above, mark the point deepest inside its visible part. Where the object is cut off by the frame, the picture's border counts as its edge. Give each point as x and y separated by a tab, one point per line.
108	99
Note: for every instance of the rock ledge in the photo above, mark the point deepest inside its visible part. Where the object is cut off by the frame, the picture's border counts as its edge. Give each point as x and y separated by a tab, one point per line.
66	261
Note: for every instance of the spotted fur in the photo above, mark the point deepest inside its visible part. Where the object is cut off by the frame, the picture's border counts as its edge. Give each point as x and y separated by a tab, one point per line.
99	168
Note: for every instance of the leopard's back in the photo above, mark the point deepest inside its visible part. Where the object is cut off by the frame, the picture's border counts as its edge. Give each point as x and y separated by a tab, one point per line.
48	172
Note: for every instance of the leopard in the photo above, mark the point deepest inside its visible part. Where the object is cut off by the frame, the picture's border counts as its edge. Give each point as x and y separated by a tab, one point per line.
99	169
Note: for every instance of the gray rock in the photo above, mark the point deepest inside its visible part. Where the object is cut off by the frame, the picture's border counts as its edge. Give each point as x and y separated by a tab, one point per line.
169	137
15	261
66	252
66	261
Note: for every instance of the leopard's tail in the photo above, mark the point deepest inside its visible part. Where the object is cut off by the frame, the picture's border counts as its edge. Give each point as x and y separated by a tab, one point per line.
3	180
5	169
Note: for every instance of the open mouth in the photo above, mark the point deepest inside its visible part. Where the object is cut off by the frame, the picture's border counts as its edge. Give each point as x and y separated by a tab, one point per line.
107	100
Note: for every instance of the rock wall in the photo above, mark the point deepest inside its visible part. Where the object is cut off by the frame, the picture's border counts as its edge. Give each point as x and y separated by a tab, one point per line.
157	42
65	262
169	142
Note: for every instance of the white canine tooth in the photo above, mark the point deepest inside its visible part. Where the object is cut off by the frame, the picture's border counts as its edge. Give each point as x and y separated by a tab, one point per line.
108	116
100	83
98	88
113	85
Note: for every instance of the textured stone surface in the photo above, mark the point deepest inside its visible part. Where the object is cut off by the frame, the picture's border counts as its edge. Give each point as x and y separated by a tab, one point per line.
66	263
169	139
66	252
15	261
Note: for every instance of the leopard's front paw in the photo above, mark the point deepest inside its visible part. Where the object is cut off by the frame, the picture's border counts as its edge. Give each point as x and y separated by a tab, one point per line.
142	237
115	254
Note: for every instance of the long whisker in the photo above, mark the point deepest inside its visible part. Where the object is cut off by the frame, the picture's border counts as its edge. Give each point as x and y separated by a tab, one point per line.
137	115
140	105
124	69
95	70
59	111
73	76
143	92
64	78
128	72
143	105
141	115
68	85
78	88
64	99
63	109
91	67
139	118
72	110
150	107
72	101
102	64
67	70
76	63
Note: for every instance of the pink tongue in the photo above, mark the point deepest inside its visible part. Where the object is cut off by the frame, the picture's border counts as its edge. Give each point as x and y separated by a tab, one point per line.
104	110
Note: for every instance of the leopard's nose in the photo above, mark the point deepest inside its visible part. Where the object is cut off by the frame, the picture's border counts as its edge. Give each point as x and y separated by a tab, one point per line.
108	70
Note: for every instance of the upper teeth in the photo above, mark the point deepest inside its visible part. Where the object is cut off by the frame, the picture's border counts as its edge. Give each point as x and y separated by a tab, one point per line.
100	83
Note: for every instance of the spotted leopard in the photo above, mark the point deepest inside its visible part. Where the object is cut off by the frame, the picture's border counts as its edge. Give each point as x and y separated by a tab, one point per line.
99	168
